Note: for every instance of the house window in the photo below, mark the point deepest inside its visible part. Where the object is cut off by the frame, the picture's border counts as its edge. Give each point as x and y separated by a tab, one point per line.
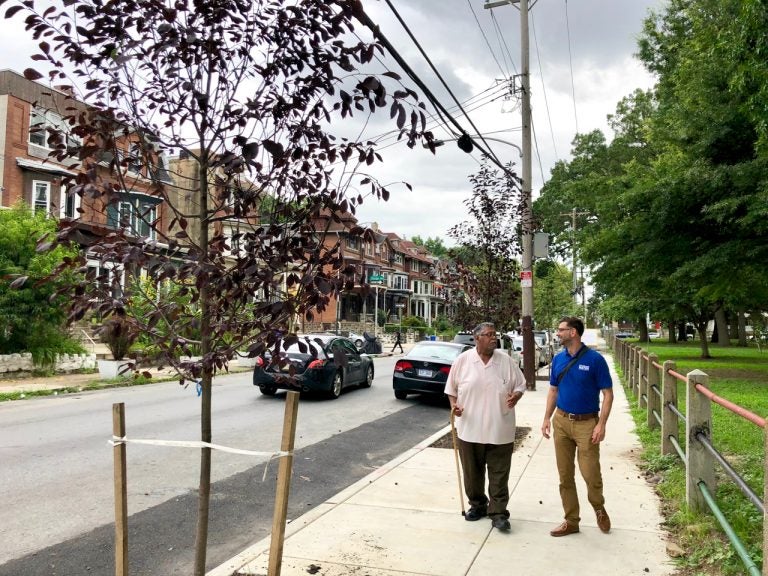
69	202
42	121
369	249
353	243
398	258
134	215
41	192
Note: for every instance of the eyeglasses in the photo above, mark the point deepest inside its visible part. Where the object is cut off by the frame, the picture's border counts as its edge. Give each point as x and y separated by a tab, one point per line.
487	335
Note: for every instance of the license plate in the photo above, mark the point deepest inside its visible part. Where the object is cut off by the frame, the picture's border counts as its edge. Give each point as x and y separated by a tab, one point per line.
424	373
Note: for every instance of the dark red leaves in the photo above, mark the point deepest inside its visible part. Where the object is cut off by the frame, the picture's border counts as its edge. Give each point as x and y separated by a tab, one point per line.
32	74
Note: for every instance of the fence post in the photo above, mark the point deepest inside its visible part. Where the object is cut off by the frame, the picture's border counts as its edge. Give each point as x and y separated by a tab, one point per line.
642	381
631	368
670	425
120	476
765	500
635	366
698	420
284	471
654	402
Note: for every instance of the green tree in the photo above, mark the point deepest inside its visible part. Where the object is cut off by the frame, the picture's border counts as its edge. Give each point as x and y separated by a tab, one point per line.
33	315
435	245
552	296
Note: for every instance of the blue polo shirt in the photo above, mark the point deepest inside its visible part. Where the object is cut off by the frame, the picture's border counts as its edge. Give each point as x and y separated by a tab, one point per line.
579	389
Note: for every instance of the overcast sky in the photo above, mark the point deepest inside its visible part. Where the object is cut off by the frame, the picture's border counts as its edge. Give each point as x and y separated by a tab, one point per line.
603	39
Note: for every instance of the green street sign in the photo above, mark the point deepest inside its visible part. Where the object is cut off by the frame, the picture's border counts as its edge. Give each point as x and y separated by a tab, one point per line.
376	278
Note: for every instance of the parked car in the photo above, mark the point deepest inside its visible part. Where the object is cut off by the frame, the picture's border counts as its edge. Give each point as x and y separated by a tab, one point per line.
464	338
546	350
624	334
319	362
517	344
358	339
424	369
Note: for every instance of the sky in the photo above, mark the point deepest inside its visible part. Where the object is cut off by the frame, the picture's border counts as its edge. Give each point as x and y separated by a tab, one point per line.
582	64
597	66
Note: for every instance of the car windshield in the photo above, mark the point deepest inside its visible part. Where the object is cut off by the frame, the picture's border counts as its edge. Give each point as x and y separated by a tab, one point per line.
435	351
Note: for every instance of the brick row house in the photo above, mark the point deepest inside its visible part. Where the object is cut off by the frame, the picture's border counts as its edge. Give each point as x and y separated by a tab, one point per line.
392	275
29	174
404	279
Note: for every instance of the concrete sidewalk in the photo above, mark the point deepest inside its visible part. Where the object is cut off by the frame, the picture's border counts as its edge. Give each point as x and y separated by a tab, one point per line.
405	518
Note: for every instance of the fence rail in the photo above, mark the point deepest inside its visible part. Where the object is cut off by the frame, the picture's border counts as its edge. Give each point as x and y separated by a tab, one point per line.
655	387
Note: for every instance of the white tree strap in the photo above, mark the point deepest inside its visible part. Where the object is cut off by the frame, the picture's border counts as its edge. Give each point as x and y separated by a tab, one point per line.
197	444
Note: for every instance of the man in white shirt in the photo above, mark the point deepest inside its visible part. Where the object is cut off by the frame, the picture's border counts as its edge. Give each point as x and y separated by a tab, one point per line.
483	386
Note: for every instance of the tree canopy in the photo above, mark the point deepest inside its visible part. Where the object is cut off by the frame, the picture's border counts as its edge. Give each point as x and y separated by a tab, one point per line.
675	205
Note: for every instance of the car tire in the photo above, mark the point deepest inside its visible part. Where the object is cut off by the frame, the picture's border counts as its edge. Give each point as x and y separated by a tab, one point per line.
401	394
368	378
268	390
337	385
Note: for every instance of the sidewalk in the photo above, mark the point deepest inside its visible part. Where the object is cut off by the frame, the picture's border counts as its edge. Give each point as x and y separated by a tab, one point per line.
405	518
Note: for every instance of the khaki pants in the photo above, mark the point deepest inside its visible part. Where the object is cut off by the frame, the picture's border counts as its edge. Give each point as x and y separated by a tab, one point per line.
497	458
573	440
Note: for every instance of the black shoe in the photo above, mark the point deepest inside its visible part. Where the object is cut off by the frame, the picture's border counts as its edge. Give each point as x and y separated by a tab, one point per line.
501	523
475	514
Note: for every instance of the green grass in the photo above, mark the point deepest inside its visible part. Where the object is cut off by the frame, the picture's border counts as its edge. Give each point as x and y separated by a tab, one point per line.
739	375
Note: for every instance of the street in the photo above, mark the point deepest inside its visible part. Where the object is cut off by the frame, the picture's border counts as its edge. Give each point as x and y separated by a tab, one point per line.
56	472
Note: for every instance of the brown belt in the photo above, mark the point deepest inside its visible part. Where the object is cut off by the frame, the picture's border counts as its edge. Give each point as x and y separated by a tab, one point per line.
578	417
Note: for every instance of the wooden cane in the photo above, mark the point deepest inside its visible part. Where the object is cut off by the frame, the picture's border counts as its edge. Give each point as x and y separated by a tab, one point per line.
458	469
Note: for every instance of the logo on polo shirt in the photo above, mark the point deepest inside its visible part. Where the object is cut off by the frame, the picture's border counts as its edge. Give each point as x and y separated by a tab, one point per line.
584	367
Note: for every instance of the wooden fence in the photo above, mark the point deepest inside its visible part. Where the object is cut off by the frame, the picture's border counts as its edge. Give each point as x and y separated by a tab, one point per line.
655	387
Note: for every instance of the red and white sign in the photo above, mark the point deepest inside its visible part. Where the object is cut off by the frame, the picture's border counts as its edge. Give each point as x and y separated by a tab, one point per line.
526	279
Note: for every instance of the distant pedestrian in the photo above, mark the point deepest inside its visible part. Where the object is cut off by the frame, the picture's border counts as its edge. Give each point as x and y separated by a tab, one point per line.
483	387
578	376
398	342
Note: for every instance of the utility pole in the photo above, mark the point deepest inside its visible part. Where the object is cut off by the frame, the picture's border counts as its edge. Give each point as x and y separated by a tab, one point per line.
526	274
573	213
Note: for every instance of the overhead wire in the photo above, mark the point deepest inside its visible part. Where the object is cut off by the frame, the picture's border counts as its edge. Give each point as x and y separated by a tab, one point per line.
487	43
543	87
415	78
570	63
502	40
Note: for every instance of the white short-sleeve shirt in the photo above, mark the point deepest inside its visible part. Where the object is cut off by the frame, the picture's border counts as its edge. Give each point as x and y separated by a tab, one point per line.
481	391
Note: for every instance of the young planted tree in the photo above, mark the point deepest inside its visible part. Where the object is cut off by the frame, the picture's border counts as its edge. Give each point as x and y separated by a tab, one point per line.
247	91
490	242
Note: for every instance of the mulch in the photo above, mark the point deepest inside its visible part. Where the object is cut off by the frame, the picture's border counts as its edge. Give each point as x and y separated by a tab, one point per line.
521	433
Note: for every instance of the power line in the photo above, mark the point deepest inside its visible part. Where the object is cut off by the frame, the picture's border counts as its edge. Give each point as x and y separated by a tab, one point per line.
415	78
544	92
570	63
487	43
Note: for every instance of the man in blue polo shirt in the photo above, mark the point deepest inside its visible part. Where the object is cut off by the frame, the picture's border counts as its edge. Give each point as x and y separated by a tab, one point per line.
578	376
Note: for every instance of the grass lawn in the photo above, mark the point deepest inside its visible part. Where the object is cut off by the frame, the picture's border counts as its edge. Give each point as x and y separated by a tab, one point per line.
741	376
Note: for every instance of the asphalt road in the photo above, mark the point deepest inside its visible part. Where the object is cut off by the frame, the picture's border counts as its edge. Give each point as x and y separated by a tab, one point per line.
56	469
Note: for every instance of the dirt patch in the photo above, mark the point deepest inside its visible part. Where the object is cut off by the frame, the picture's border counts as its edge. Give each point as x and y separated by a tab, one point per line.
521	433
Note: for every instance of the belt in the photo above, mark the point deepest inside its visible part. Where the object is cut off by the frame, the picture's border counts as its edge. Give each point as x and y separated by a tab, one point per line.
578	417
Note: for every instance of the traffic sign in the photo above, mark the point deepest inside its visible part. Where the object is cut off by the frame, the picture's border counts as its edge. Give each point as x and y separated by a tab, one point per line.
375	278
526	279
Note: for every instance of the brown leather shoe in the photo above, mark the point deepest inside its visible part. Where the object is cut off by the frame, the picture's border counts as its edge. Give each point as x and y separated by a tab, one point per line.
603	521
564	529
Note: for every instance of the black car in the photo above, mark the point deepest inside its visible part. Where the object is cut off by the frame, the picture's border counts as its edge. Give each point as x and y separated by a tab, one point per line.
425	368
319	362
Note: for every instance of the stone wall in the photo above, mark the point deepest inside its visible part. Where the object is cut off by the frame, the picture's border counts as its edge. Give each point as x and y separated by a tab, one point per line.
13	363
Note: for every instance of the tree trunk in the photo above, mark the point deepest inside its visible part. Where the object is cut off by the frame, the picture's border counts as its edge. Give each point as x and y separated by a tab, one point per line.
643	330
742	328
733	325
702	329
681	335
671	334
722	328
